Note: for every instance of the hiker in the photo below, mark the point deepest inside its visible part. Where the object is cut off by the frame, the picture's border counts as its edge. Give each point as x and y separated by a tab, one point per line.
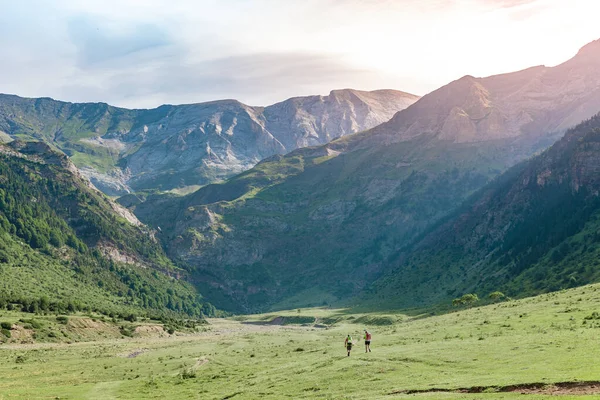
348	344
367	341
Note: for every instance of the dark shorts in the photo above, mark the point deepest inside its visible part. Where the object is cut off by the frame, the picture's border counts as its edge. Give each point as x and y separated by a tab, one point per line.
349	346
367	342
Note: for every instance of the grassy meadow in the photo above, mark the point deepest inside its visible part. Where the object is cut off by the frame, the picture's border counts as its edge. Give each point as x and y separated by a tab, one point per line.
300	354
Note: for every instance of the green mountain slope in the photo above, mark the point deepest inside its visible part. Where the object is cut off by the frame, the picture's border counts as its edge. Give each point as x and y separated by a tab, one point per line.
65	245
66	126
318	225
534	229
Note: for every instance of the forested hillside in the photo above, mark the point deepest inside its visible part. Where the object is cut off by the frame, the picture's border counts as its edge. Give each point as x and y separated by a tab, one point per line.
65	246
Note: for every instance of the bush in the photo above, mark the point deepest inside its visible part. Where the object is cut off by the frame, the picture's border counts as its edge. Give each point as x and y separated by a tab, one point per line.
6	325
5	332
467	299
188	373
131	318
496	296
31	322
126	331
62	319
593	315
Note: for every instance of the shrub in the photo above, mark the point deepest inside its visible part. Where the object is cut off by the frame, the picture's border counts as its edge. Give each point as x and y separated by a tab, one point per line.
496	296
131	318
126	331
5	332
6	325
62	319
31	322
467	299
593	315
188	373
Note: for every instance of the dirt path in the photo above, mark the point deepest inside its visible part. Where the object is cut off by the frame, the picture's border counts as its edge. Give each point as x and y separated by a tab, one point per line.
554	389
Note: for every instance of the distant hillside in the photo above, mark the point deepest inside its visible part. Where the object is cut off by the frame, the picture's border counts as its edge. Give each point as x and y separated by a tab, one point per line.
64	245
177	146
320	224
534	229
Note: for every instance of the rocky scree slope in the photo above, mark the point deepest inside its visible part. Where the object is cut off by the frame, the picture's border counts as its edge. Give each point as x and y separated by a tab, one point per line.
123	150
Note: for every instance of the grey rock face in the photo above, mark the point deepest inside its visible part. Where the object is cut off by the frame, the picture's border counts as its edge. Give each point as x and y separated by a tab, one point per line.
122	151
315	120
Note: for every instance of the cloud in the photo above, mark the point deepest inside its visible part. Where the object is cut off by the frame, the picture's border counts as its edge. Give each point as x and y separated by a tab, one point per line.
141	53
99	41
509	3
258	79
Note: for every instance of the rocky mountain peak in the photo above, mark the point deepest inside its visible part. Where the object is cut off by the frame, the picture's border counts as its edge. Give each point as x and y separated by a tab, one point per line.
530	103
590	51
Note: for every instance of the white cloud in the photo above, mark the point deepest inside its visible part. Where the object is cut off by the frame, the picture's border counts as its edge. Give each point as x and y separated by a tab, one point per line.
146	52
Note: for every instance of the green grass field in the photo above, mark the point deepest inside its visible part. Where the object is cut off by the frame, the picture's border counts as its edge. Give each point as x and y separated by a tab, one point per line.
547	339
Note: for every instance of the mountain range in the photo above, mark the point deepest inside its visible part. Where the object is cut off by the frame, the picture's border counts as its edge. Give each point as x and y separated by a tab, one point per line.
319	224
171	147
379	197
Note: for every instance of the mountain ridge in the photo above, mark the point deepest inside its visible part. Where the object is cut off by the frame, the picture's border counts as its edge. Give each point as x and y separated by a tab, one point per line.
526	102
174	146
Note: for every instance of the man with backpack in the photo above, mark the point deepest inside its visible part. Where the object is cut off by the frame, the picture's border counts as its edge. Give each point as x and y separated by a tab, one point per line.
348	344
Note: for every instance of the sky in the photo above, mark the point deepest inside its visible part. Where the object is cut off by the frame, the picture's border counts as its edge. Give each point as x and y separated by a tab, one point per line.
143	53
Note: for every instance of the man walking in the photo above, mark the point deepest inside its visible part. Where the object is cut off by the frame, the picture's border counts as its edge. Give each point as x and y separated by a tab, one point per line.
367	341
348	344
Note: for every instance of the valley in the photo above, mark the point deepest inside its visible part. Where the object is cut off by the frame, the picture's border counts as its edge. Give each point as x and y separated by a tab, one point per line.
323	224
182	247
515	349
